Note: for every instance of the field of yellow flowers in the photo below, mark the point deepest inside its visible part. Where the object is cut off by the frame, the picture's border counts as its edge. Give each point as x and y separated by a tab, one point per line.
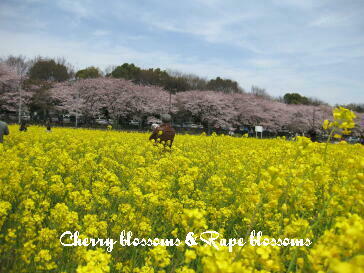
100	183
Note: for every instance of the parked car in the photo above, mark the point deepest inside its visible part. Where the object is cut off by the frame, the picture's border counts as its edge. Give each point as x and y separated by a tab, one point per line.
196	126
66	118
102	121
353	140
192	125
134	123
187	125
25	117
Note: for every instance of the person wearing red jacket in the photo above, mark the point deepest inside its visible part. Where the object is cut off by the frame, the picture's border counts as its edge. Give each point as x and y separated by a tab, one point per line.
165	132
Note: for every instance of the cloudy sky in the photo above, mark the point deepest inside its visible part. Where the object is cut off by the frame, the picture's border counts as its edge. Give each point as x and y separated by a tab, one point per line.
314	47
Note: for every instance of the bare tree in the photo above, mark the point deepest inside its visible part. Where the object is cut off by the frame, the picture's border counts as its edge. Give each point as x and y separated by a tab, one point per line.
260	92
20	65
194	82
110	68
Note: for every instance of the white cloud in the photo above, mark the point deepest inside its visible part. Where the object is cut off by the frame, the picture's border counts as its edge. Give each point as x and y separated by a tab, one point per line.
81	9
79	53
34	1
301	4
280	52
101	32
266	63
17	17
275	78
215	27
332	20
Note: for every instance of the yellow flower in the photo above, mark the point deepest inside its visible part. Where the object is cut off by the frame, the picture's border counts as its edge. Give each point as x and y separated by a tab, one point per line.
101	183
159	257
96	262
190	255
326	124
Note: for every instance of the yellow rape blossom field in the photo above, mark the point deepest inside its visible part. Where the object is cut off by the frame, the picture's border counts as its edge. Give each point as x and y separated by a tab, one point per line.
101	183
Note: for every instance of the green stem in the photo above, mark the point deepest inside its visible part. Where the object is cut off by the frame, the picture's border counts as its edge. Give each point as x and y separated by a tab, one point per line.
327	143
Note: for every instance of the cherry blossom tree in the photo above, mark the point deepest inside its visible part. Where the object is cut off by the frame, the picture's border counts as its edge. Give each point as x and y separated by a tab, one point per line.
19	67
121	98
8	75
13	97
212	109
235	110
9	81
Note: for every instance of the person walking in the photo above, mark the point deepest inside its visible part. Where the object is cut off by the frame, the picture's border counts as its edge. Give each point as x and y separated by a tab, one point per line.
165	132
361	139
312	134
23	126
4	130
48	125
154	126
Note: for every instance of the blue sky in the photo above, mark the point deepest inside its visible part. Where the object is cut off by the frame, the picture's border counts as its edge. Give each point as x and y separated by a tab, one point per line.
314	47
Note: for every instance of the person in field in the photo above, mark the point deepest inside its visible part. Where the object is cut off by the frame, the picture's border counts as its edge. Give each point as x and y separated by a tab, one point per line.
23	126
48	125
4	130
312	134
164	133
154	126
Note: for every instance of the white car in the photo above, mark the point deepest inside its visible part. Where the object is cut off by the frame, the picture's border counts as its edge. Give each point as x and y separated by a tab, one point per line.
134	122
196	126
66	118
187	125
25	117
102	121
